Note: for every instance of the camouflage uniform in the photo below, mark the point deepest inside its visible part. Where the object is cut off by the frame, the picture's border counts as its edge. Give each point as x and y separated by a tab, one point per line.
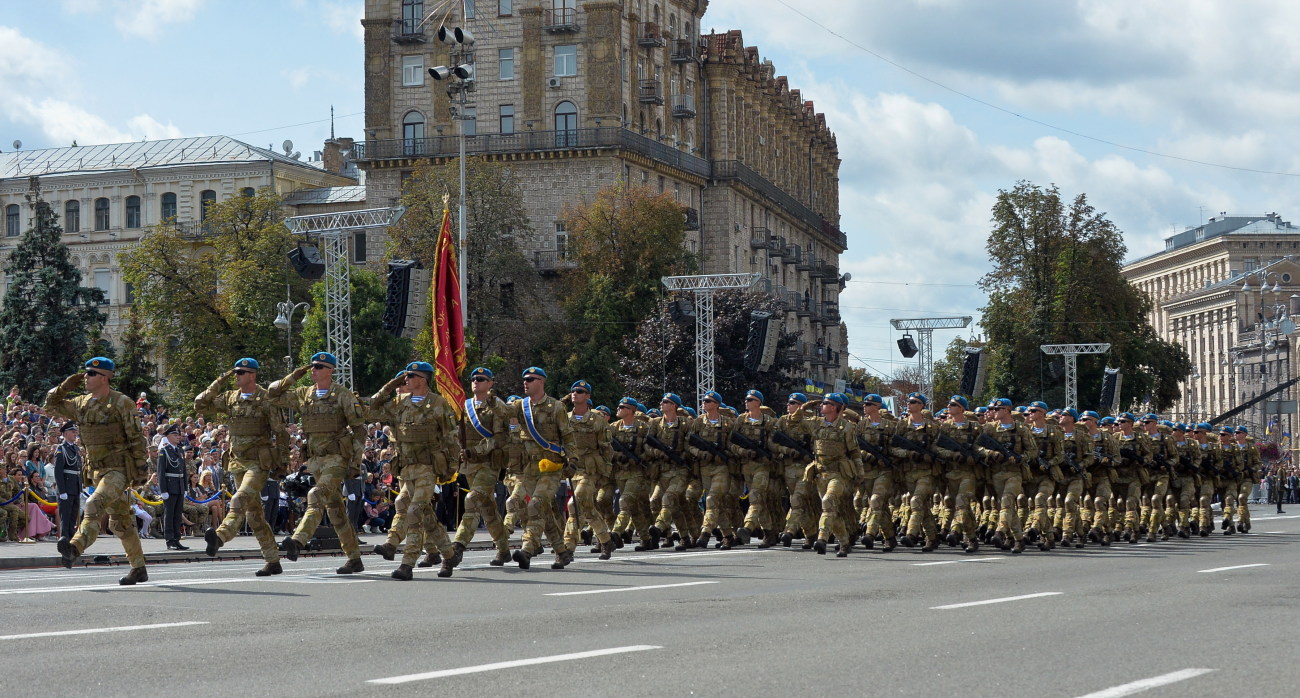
551	421
485	456
757	471
593	478
876	487
1135	453
835	469
1079	458
715	474
801	518
1007	476
961	470
921	481
633	481
13	516
673	477
1045	473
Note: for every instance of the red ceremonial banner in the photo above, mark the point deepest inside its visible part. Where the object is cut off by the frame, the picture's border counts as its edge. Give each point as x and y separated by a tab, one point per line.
448	327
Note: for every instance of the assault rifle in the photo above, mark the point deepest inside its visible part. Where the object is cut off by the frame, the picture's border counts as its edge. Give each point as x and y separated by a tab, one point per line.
993	445
900	441
784	439
948	443
745	442
878	453
626	451
708	447
1073	461
654	442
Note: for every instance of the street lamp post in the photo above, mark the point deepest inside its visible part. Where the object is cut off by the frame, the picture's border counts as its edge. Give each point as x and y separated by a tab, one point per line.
284	320
459	78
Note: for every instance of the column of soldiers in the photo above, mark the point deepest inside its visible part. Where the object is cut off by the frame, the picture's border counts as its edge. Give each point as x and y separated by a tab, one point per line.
823	472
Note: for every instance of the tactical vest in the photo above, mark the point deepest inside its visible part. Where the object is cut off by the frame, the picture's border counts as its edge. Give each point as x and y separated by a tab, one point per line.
248	419
585	433
828	443
411	433
102	435
322	418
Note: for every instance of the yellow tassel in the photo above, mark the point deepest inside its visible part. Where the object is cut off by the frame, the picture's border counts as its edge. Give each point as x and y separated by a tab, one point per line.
547	465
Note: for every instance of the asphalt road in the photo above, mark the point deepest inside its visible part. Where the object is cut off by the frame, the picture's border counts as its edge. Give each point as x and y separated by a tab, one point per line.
1202	617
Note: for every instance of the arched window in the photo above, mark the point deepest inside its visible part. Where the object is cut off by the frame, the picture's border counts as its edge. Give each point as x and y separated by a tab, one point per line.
133	212
566	125
168	206
413	133
101	213
72	216
207	197
248	191
13	219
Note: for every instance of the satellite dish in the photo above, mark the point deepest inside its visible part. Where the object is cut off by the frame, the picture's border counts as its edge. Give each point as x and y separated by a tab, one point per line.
288	146
18	145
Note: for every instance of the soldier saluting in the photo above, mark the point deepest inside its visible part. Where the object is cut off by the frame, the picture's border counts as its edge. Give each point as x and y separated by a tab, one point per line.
116	457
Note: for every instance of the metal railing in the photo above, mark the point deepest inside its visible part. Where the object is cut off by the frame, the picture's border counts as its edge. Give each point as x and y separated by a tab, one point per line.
531	141
734	169
550	260
683	51
649	34
684	106
408	31
650	92
560	19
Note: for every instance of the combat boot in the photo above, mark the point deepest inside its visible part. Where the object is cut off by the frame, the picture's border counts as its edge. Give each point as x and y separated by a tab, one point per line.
744	535
607	549
953	539
907	541
890	544
769	539
523	557
403	573
807	543
1151	535
1195	527
430	559
1182	533
68	552
457	554
1019	547
447	567
819	546
686	544
503	556
843	551
645	545
972	546
930	545
135	576
655	536
726	543
291	548
999	540
702	541
562	559
1228	531
868	542
386	550
269	569
586	536
352	566
214	541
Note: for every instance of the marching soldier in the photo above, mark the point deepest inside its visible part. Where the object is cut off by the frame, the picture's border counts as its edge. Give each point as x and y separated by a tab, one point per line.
961	469
1183	483
633	472
546	434
836	448
333	422
1015	446
593	475
67	479
13	514
1134	454
482	460
1160	468
801	519
1078	458
669	430
918	465
707	441
116	455
172	475
1251	464
1211	458
424	427
756	427
1045	472
876	488
256	429
1229	483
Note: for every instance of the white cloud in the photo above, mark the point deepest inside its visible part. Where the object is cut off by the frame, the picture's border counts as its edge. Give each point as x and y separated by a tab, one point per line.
139	18
343	17
28	67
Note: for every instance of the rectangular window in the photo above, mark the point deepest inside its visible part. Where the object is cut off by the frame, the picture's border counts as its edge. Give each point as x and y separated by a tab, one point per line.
130	293
103	280
412	71
469	9
1250	263
470	122
506	61
507	124
561	241
504	8
566	60
359	248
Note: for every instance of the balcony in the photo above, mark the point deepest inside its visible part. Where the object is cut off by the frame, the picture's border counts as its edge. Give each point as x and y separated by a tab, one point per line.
192	230
683	51
649	35
803	307
775	246
650	92
579	139
550	261
831	311
734	169
560	20
409	31
794	255
830	273
758	243
806	264
684	106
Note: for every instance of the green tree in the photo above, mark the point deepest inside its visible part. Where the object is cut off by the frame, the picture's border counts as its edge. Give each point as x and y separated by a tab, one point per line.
502	283
623	242
48	316
1056	280
208	295
135	372
660	356
376	354
859	378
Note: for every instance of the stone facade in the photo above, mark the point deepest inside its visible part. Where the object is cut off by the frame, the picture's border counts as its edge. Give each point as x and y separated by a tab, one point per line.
580	93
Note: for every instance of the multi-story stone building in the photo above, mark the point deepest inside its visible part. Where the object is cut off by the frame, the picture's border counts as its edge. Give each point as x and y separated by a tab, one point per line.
109	196
582	93
1224	291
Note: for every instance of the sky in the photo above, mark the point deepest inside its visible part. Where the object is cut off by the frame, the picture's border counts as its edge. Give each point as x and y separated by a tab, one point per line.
1162	113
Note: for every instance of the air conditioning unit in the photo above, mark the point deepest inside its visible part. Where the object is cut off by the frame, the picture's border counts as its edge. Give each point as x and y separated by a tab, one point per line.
553	82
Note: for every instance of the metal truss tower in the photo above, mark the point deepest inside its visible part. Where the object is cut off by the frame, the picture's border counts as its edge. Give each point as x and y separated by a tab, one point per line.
334	230
702	287
924	329
1071	353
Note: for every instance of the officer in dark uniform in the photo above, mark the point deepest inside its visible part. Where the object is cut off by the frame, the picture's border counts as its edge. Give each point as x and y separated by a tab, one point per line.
67	480
171	483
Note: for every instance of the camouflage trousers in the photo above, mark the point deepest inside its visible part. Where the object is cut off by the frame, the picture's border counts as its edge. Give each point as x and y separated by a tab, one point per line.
110	498
834	489
413	517
247	504
539	516
327	498
481	503
633	502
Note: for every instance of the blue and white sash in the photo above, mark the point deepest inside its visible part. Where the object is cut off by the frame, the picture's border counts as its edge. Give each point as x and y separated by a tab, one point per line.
532	429
474	420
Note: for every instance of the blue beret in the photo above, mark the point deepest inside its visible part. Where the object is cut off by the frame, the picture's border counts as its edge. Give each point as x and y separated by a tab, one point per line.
714	396
248	363
482	371
981	409
1242	430
1225	430
874	398
1150	416
839	399
960	401
1204	426
654	412
400	374
102	363
534	371
942	413
605	409
1074	414
798	397
918	396
513	399
1091	413
1179	426
324	357
671	397
691	411
1126	415
629	402
1107	420
580	385
420	367
1022	408
1039	404
755	394
1000	402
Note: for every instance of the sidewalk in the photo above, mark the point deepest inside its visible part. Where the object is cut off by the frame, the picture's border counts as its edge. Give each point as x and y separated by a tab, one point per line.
108	550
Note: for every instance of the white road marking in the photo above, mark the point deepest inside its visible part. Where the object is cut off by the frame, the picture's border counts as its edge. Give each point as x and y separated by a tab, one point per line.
91	631
1129	689
1235	567
610	591
1001	600
302	579
953	562
1273	533
513	663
